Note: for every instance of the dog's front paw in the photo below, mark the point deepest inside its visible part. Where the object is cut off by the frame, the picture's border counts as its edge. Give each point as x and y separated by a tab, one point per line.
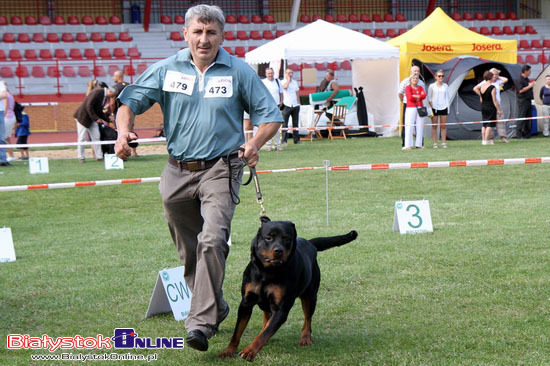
226	353
248	353
305	341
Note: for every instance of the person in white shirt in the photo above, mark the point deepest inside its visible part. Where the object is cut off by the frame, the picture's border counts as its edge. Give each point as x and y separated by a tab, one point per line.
3	95
438	97
291	102
498	81
276	90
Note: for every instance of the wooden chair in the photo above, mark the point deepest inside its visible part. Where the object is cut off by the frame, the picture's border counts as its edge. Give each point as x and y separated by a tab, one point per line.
338	119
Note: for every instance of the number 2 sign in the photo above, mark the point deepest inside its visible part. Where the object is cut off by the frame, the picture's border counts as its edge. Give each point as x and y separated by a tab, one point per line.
412	217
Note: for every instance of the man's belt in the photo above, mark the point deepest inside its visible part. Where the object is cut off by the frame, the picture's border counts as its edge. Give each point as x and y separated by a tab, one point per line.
196	165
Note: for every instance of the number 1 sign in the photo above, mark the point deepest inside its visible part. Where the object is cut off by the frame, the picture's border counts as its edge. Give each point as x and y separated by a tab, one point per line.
412	217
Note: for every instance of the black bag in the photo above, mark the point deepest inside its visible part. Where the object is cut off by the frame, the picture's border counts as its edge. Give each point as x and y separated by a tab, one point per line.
422	111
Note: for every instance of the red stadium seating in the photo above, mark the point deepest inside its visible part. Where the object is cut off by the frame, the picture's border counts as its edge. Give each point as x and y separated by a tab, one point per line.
6	72
82	37
52	38
496	30
133	52
320	66
243	19
101	20
353	18
541	59
368	32
388	18
114	19
345	65
279	33
14	55
8	38
473	29
507	30
230	36
490	16
400	17
391	33
255	35
38	72
179	19
478	16
23	38
141	68
38	38
379	33
75	54
60	53
30	54
22	71
521	60
45	54
512	16
110	37
119	53
468	16
240	51
58	20
241	35
329	18
316	17
535	43
96	37
128	70
45	20
230	19
267	34
228	49
84	71
269	19
518	29
99	71
500	15
104	53
546	43
341	18
125	37
401	31
456	16
377	18
304	18
87	20
52	72
256	19
112	69
3	20
16	20
67	37
529	29
89	53
165	19
176	36
73	20
530	59
30	20
68	71
485	31
294	67
524	44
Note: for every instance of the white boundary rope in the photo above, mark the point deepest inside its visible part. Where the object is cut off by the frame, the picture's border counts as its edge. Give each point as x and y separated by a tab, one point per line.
386	166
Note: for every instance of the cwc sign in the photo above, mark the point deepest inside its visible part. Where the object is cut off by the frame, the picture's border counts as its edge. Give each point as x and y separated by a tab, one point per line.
436	48
487	47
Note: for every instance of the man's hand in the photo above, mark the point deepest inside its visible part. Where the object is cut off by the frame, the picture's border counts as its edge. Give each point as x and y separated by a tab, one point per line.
250	154
122	149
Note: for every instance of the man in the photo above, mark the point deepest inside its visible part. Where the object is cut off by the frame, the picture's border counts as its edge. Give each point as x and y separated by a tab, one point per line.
203	92
118	77
89	116
329	84
276	90
415	71
3	155
498	81
291	102
525	95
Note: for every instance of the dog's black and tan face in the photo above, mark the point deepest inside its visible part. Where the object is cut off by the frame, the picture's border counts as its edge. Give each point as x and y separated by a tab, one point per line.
275	243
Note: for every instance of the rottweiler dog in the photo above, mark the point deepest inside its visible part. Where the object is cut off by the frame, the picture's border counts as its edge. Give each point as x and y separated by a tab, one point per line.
282	268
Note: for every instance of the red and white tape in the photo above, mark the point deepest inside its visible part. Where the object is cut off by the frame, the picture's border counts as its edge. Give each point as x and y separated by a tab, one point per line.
386	166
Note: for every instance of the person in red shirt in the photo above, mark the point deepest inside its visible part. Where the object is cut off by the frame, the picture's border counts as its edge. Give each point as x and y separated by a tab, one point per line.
415	95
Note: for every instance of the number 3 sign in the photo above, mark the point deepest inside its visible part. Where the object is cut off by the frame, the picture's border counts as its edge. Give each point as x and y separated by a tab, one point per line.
412	217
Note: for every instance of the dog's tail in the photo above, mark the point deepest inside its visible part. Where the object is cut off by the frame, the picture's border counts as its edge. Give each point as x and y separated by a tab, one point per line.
333	241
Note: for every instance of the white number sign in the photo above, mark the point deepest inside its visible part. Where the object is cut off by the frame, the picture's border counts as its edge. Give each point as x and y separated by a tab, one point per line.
412	217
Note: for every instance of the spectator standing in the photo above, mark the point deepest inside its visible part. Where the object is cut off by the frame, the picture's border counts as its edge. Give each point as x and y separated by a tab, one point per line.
3	157
329	84
415	95
544	94
9	120
203	92
88	117
525	96
438	97
291	105
498	81
22	132
415	70
490	108
276	90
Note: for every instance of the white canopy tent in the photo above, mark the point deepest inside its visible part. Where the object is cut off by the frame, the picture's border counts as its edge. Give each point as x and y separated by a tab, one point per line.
375	64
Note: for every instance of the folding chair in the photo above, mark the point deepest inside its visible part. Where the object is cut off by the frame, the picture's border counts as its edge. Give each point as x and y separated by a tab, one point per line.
338	119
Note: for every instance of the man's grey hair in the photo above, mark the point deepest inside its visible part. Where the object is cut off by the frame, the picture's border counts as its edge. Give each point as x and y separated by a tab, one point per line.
495	70
205	14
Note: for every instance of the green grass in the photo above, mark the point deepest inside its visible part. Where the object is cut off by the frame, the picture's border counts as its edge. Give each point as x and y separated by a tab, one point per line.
473	292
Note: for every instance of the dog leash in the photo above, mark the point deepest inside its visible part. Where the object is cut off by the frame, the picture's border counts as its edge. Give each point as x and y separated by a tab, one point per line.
253	176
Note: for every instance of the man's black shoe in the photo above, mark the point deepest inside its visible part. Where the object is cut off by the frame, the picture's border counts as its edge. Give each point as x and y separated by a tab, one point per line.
197	340
5	164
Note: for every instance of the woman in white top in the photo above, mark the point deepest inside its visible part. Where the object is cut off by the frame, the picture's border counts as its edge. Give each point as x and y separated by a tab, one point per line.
438	97
9	119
